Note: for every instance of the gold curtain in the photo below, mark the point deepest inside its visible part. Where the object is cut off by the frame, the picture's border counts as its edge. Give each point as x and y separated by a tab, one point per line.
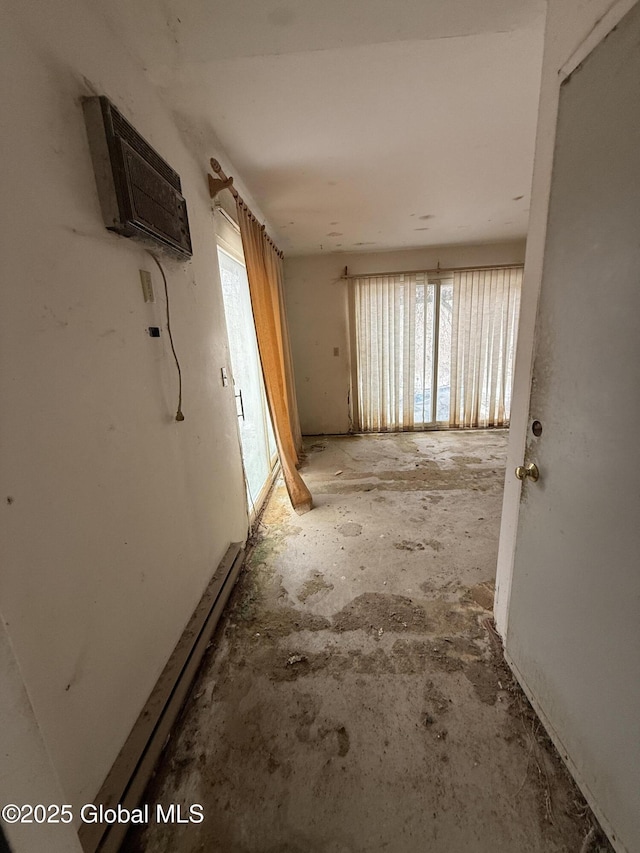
264	271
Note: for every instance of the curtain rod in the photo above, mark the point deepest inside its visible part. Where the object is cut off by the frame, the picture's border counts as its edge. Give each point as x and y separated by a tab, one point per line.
216	185
434	271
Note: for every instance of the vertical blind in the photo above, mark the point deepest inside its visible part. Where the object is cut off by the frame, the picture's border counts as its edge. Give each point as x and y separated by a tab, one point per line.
486	307
385	344
434	353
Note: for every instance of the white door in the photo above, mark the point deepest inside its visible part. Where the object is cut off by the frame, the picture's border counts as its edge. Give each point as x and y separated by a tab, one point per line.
573	633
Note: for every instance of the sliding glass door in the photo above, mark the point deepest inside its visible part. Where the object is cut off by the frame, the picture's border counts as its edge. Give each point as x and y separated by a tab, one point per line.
433	352
256	434
431	400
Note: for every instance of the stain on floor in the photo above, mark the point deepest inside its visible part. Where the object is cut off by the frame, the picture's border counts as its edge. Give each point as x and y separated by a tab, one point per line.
355	698
313	585
350	528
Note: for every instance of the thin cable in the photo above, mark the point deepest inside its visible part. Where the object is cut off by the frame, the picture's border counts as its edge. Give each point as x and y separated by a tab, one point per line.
179	415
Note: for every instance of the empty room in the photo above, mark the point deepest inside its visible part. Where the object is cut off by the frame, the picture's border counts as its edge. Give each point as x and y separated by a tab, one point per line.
319	391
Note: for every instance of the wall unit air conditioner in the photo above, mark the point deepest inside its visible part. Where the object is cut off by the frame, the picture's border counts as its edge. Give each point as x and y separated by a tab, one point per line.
140	194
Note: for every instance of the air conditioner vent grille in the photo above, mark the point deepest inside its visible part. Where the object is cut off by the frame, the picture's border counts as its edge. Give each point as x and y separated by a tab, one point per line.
123	129
140	194
154	201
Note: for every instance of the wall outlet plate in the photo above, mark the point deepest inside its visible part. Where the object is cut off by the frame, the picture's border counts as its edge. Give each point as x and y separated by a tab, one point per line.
147	286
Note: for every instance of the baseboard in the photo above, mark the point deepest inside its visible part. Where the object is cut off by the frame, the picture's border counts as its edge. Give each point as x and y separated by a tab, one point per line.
132	769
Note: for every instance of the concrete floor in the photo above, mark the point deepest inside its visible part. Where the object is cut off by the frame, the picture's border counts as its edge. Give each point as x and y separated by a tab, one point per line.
355	699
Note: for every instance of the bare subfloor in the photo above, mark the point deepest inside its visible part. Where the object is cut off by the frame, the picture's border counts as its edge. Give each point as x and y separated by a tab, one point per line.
355	699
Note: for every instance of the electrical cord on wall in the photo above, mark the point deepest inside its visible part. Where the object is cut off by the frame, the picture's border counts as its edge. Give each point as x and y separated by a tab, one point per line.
179	415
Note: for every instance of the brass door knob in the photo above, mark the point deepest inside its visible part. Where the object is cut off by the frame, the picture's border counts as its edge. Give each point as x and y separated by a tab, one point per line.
530	471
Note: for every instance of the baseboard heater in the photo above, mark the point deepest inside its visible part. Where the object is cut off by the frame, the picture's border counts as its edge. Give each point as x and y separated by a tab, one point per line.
134	765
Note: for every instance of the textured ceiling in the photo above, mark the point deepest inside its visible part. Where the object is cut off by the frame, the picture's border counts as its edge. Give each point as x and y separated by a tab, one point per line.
357	125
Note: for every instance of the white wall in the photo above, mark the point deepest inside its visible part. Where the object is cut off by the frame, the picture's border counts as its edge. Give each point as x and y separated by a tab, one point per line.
317	310
114	516
26	773
572	26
